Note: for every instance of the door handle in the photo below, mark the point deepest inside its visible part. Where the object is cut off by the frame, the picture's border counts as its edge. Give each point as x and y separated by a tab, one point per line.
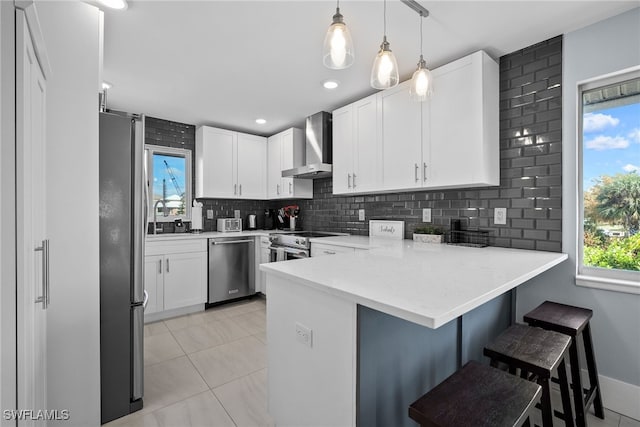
44	298
231	242
354	180
235	189
160	266
416	173
145	300
240	190
167	265
278	189
329	252
348	180
424	171
290	190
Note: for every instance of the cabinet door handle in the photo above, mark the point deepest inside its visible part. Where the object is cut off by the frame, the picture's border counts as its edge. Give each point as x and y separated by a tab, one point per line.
424	171
235	189
348	180
416	173
167	265
329	252
240	189
44	299
278	189
290	189
354	180
160	266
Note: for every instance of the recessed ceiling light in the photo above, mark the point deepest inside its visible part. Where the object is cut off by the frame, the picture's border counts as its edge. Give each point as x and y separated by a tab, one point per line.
106	85
330	84
261	121
114	4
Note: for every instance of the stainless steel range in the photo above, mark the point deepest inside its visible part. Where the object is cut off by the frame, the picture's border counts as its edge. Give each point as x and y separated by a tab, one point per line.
296	245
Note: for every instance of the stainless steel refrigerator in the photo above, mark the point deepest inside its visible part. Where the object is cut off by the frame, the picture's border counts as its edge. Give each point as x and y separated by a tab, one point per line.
122	233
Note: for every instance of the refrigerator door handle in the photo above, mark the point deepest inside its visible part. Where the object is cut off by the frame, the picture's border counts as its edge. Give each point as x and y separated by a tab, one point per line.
137	356
139	209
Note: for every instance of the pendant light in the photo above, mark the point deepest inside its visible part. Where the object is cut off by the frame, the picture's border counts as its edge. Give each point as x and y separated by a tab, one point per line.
384	73
337	52
421	81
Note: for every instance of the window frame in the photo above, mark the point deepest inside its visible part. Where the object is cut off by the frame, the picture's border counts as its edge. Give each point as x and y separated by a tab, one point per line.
596	277
149	151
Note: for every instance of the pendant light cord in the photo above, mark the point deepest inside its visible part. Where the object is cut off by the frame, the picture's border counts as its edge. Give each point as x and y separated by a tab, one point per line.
384	18
421	35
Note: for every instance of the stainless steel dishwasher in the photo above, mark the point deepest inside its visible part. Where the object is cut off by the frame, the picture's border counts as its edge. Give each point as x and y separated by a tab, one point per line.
231	268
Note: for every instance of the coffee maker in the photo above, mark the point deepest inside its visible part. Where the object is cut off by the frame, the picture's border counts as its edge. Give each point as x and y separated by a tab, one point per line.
269	219
252	222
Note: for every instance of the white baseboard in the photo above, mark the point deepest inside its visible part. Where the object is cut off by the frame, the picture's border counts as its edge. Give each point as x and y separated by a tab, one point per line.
620	397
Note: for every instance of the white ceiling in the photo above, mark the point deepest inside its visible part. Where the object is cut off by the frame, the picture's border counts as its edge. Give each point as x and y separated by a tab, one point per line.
226	63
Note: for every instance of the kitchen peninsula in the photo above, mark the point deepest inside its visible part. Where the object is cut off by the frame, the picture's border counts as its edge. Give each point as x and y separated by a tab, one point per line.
355	338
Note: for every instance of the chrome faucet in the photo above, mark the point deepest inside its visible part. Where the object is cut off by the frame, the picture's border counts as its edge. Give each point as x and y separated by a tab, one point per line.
155	213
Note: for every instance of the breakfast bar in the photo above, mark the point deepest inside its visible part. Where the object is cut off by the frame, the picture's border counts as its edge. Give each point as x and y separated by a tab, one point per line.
355	338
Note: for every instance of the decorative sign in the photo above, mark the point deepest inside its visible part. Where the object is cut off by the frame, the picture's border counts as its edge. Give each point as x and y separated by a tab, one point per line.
387	229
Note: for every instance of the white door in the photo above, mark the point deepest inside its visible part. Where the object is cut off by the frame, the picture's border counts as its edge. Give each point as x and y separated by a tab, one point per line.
401	139
252	167
343	149
185	280
367	147
274	169
32	246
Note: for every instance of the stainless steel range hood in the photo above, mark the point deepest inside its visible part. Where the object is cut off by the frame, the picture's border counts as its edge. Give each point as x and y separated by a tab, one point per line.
319	151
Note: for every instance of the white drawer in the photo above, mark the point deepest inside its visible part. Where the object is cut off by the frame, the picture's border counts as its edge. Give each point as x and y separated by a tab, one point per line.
322	249
175	246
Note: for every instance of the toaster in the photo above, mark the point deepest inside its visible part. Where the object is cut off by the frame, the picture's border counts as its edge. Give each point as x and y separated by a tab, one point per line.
226	225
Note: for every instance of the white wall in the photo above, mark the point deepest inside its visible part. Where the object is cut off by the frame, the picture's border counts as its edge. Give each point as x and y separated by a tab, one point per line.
71	34
602	48
7	215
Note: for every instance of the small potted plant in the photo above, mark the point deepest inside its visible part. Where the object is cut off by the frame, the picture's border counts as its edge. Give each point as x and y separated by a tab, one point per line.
428	234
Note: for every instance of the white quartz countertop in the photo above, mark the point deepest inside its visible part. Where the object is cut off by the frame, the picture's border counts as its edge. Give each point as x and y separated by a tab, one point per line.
428	284
206	235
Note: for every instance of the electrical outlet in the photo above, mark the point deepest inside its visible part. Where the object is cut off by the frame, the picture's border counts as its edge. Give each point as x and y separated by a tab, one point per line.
426	215
303	334
360	214
209	213
500	216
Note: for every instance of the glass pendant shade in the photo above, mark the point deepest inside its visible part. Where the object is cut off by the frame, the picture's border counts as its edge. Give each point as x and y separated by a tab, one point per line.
421	83
384	73
337	52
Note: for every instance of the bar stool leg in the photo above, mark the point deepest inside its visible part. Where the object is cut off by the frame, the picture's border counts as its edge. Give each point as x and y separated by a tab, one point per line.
565	393
576	379
545	401
594	382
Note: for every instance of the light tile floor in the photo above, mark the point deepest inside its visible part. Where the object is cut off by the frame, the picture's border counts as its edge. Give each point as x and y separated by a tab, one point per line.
209	369
206	369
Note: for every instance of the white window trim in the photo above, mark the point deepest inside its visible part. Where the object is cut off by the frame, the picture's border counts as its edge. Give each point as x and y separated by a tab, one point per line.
594	277
182	152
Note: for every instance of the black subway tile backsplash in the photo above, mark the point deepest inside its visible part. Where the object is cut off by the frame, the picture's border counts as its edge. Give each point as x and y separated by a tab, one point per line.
530	169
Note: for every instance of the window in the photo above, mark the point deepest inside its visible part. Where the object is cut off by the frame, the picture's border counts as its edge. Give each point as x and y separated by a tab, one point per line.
169	173
609	183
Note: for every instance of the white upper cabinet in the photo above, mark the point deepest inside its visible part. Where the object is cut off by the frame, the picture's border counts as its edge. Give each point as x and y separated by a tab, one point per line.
285	150
252	166
464	128
356	153
391	143
230	164
401	139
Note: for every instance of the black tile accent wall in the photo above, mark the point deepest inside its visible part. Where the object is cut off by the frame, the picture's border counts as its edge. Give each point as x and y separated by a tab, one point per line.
530	170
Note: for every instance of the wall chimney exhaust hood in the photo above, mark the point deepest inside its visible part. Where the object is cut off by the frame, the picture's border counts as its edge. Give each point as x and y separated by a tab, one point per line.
318	153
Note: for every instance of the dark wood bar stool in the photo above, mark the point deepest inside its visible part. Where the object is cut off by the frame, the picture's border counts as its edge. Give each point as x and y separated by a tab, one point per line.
573	321
536	353
477	395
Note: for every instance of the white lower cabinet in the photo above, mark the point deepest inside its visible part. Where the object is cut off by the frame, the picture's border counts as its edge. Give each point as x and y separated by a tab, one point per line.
265	256
175	274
